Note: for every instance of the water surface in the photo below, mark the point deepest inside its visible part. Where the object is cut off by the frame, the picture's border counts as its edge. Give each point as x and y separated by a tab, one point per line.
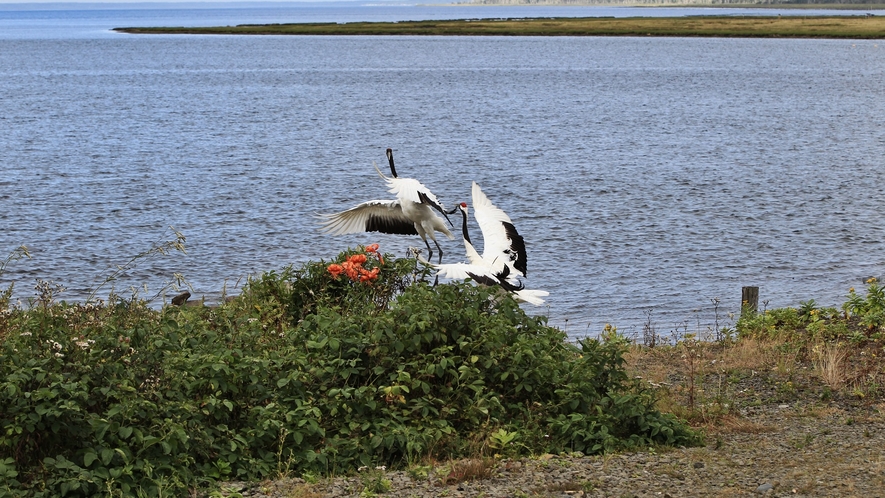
647	175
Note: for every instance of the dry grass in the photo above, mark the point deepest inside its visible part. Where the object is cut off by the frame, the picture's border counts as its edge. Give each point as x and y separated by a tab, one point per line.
658	365
708	383
303	491
747	355
829	361
737	425
469	469
653	365
561	487
290	488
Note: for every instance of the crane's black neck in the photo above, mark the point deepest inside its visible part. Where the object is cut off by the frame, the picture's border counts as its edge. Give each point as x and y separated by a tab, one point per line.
390	160
464	226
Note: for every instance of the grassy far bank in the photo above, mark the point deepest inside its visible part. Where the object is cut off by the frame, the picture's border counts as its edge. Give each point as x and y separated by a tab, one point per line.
799	6
359	362
862	26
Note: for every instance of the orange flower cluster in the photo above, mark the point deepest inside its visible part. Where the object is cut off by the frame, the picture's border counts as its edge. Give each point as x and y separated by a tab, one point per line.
353	266
373	249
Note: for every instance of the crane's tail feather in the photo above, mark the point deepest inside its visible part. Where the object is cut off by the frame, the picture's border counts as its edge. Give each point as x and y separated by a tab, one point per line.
379	171
531	296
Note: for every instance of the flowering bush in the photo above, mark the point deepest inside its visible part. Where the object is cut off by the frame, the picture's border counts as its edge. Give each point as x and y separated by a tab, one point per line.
360	280
354	269
311	370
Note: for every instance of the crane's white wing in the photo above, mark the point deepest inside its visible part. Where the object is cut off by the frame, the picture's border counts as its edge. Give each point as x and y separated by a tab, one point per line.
410	189
486	275
482	273
461	271
502	244
370	216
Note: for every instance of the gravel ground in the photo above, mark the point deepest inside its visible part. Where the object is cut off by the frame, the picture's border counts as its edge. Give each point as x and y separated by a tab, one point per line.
785	435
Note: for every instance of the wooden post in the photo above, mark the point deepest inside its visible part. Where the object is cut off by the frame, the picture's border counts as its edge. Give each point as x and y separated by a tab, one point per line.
749	299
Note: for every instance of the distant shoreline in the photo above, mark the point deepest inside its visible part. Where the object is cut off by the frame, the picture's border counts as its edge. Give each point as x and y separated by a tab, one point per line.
122	5
780	6
653	4
690	4
847	27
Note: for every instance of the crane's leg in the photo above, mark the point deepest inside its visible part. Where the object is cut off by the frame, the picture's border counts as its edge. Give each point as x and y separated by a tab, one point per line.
436	280
430	257
429	250
440	250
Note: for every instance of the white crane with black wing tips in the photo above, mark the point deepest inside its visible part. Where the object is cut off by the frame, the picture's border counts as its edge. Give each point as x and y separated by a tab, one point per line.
503	257
412	213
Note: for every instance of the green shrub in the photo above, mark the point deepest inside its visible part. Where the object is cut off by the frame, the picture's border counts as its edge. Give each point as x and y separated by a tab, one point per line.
869	310
861	321
770	323
306	372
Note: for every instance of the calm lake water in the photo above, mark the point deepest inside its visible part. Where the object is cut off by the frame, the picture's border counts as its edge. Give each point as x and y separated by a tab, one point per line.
649	176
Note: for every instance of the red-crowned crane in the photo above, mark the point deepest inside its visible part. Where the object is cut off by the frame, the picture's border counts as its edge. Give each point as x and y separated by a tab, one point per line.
412	213
503	257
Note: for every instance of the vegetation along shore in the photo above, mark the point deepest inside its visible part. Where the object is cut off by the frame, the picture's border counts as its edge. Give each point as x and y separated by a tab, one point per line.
357	376
861	26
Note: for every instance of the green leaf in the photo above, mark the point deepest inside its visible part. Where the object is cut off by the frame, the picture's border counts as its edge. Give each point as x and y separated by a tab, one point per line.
106	456
150	441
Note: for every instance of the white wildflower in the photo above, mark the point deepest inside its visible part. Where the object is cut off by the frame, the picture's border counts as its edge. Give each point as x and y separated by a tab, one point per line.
85	344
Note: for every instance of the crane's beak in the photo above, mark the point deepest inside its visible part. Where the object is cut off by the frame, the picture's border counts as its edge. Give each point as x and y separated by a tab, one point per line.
426	200
446	214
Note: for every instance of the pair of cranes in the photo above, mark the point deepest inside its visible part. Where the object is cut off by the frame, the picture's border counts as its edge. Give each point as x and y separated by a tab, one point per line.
414	212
